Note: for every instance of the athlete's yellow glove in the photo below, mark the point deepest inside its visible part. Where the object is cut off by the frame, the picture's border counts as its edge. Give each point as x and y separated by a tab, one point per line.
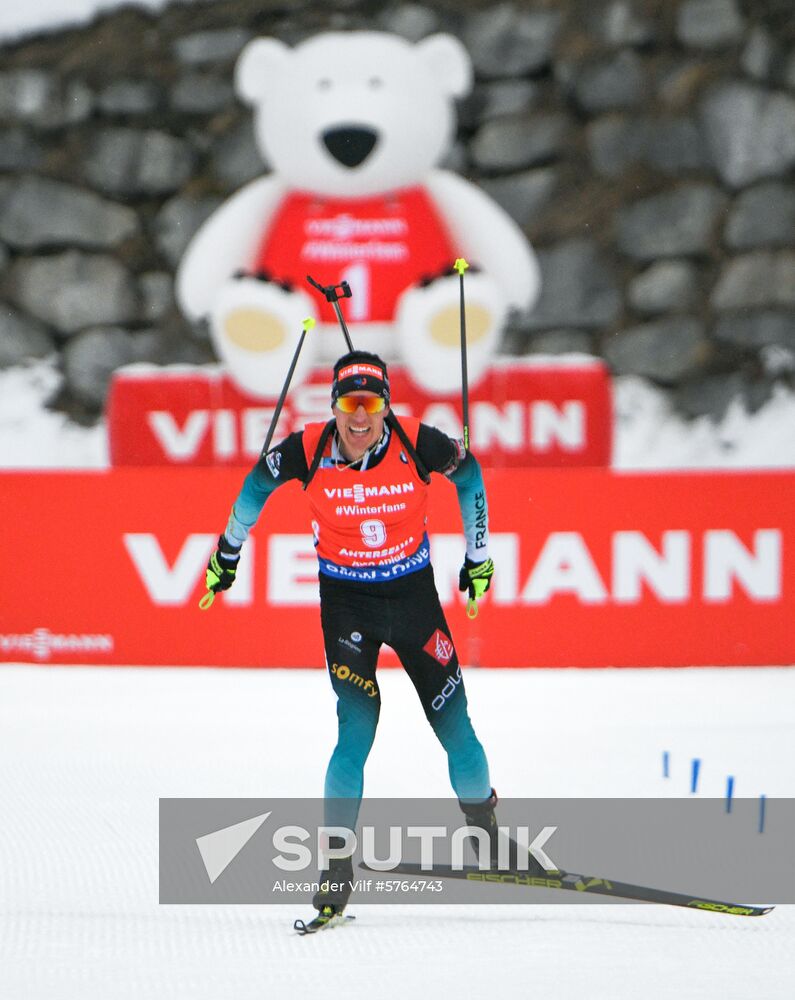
475	578
221	571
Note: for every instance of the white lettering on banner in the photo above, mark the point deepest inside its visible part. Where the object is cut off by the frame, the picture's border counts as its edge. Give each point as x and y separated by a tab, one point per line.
726	559
637	561
374	250
179	444
41	643
256	422
358	277
512	426
447	553
504	426
444	417
224	434
564	566
550	425
311	403
292	570
182	444
498	425
174	585
344	226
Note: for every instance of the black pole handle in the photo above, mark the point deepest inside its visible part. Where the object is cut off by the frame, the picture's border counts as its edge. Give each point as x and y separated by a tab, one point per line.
333	296
330	291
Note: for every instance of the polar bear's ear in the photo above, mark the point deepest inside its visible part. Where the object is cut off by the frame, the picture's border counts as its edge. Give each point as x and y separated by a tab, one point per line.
259	67
449	62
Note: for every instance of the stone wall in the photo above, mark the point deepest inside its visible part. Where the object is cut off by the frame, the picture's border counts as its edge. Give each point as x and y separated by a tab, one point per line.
647	148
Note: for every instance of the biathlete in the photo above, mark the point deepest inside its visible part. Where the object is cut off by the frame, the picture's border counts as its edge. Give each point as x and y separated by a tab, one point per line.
366	476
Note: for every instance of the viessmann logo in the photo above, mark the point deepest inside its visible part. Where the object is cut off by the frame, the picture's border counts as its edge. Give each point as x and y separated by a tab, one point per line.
360	493
370	370
41	643
345	226
677	567
515	427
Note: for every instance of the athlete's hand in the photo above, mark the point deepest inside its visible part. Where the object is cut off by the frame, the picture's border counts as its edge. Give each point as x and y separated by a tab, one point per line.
475	578
221	570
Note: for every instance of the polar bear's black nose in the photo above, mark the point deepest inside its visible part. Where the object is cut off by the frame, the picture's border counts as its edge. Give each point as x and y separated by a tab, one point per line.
350	145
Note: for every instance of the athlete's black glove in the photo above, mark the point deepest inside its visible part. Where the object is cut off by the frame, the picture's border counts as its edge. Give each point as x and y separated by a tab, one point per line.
222	567
475	577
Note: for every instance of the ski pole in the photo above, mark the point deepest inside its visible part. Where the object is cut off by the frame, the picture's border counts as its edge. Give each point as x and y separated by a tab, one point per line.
307	325
461	266
208	598
333	296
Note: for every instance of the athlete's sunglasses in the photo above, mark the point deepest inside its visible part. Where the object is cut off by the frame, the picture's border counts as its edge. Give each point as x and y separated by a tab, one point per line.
352	402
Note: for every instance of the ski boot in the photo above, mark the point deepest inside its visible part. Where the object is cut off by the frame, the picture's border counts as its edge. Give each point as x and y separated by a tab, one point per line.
481	815
336	883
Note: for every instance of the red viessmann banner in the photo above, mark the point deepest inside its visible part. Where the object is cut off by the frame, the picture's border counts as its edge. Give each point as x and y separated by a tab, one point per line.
593	568
524	412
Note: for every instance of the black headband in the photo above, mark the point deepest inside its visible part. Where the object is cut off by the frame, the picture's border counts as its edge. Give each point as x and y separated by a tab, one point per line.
360	376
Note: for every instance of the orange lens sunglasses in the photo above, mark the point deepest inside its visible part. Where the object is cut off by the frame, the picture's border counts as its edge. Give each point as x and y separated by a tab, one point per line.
352	402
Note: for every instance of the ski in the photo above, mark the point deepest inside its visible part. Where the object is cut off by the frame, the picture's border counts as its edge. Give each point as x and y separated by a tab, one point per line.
575	883
325	920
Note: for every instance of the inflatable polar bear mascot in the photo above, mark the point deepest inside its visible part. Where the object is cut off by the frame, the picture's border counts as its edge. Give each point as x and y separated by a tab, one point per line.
353	125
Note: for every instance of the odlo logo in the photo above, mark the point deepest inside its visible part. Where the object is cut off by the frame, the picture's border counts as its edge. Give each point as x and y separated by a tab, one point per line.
440	647
346	674
449	689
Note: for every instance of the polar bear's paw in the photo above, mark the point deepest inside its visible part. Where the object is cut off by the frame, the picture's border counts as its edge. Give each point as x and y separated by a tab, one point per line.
255	326
429	329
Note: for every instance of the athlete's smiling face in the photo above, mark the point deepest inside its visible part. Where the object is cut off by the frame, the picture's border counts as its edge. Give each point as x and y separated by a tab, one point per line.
358	430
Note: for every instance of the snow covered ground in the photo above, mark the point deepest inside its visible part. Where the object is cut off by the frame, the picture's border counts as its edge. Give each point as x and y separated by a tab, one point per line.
87	753
648	434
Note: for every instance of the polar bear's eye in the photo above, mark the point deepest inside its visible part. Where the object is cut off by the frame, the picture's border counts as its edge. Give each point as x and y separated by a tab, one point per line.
324	83
375	82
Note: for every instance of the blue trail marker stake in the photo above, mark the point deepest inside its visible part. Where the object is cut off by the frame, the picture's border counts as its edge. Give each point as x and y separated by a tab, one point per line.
729	793
762	799
666	759
696	767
